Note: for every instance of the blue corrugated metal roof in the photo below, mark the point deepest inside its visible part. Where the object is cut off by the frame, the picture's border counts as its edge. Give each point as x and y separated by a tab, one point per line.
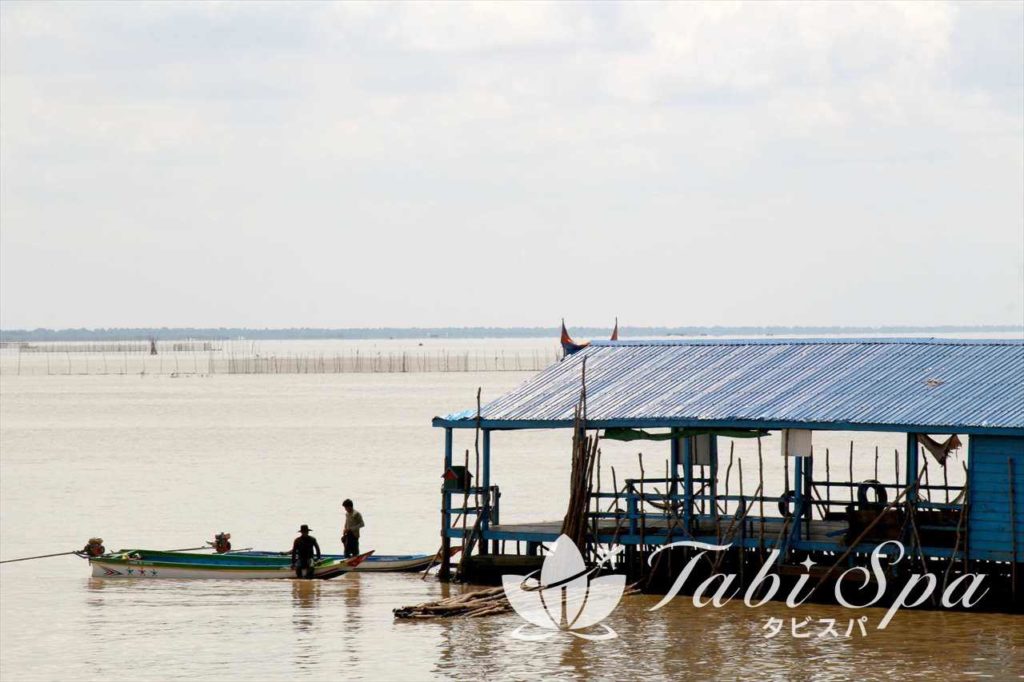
890	384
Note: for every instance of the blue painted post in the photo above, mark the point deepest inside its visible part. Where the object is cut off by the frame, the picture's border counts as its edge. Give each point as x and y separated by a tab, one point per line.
912	471
485	483
687	484
445	572
808	473
798	494
674	463
713	473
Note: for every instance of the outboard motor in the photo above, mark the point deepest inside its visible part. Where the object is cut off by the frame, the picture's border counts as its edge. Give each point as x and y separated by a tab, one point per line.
222	543
94	547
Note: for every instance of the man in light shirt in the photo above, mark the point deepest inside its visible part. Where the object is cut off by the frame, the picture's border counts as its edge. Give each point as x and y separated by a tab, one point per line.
350	534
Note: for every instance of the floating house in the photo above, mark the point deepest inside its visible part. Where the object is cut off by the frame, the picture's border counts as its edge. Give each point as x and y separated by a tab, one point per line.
692	393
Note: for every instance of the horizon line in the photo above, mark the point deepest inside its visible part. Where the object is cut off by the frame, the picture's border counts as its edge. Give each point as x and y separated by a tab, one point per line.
42	334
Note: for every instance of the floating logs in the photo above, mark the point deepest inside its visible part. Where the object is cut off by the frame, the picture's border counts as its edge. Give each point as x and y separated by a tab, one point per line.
489	602
469	604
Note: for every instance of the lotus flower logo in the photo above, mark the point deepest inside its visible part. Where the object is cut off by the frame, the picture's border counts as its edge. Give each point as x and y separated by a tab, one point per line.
565	598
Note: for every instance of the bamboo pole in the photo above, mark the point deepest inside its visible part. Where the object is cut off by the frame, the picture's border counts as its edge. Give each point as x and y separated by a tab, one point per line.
728	475
41	556
896	464
828	482
852	498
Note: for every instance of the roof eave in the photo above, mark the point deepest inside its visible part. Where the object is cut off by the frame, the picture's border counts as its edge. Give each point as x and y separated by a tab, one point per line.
523	424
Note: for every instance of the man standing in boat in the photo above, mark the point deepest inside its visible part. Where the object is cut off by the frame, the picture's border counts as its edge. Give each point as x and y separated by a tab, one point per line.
350	534
303	550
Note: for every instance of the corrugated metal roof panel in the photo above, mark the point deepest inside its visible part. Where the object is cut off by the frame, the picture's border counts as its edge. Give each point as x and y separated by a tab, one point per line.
913	382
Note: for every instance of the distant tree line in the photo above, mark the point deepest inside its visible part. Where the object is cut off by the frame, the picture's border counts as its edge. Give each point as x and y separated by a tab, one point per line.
294	333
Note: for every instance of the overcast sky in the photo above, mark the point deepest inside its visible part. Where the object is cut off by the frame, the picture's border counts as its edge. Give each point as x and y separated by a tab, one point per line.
509	164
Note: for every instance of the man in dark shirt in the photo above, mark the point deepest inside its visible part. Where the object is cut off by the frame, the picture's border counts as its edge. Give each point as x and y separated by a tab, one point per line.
303	550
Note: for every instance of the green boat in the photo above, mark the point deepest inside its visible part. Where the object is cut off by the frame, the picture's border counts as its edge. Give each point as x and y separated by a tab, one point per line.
146	563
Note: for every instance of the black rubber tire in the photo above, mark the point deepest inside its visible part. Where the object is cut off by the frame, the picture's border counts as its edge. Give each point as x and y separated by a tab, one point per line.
784	502
881	497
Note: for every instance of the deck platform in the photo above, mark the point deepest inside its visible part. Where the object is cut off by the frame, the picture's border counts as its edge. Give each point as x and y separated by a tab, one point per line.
815	535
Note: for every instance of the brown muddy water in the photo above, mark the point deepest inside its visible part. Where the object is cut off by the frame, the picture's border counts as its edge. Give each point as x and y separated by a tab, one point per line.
163	462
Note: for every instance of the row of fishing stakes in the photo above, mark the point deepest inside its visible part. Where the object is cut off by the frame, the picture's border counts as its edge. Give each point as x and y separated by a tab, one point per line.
208	363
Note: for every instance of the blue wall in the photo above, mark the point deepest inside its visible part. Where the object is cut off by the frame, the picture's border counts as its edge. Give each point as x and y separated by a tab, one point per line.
989	522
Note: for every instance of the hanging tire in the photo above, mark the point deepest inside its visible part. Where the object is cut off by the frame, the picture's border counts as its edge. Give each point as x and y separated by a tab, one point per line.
881	497
784	503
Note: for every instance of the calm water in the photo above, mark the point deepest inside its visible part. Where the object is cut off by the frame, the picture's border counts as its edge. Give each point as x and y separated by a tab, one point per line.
166	462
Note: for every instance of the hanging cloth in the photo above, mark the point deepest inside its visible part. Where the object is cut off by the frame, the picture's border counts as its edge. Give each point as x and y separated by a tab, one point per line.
940	451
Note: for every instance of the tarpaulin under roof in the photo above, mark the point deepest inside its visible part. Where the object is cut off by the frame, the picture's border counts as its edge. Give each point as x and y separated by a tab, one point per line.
936	385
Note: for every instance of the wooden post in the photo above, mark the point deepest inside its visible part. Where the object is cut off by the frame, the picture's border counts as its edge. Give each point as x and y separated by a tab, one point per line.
828	483
912	463
445	573
853	498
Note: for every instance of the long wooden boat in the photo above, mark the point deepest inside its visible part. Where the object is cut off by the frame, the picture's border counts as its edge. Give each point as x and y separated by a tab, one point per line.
144	563
378	563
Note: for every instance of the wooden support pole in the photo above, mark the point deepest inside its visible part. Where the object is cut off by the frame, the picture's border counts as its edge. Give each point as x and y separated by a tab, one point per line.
828	482
852	498
728	475
445	573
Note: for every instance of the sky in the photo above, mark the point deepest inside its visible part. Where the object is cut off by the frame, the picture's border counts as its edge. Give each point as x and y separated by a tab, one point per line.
504	164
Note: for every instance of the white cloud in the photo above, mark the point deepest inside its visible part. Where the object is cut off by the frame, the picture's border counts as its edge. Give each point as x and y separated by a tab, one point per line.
674	144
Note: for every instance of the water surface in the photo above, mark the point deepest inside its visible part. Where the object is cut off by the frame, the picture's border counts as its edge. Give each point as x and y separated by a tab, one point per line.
163	462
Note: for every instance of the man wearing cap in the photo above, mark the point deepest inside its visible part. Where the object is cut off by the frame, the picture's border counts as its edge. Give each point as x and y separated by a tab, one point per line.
350	534
303	550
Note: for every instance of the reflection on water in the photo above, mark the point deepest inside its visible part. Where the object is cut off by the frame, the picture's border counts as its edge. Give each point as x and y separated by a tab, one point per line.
165	462
308	629
305	600
305	595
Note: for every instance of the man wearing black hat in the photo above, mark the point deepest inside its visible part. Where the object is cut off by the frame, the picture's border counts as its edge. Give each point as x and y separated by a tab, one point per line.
303	550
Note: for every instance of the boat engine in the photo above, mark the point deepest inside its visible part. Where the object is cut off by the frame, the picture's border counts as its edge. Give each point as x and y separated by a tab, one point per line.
94	547
222	543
